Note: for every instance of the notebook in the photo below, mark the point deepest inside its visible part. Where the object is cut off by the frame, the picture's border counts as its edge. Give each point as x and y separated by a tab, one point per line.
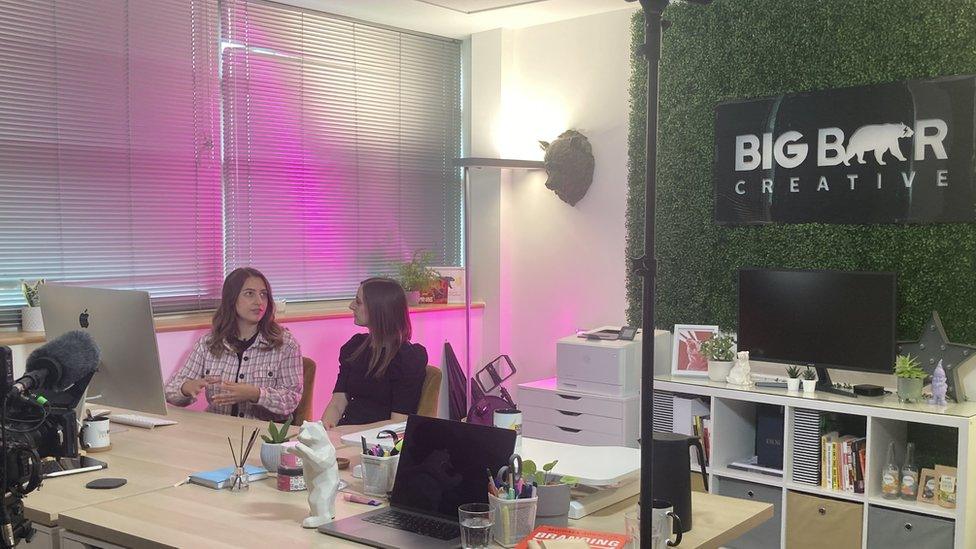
220	478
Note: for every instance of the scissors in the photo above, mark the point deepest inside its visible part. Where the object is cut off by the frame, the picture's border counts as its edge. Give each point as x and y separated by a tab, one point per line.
513	472
396	440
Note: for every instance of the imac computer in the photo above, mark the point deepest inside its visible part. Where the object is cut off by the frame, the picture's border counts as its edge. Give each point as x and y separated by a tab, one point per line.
823	319
121	323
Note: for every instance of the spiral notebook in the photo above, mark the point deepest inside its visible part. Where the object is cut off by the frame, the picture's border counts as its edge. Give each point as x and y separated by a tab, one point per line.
220	478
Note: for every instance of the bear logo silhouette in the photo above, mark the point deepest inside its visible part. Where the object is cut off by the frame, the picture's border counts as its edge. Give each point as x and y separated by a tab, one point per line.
878	138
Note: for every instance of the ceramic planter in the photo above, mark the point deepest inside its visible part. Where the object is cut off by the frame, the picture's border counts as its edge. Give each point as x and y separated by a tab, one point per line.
792	384
718	370
809	386
30	319
910	389
413	298
553	509
271	456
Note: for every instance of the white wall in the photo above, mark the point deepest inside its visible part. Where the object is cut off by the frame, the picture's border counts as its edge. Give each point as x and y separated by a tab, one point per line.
559	268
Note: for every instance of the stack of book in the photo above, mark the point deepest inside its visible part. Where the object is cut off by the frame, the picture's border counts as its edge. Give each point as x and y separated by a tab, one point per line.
702	428
842	462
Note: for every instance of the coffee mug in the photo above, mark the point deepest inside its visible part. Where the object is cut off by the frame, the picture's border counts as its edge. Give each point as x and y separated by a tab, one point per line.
94	434
664	522
510	418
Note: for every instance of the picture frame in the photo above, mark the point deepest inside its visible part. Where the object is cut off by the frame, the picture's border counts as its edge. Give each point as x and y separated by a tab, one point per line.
928	486
686	359
946	492
455	279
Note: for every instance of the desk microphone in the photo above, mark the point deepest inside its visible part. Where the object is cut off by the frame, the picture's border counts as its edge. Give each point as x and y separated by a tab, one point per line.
59	364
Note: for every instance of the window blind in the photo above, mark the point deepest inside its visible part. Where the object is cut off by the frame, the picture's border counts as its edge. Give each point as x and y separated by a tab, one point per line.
109	170
339	144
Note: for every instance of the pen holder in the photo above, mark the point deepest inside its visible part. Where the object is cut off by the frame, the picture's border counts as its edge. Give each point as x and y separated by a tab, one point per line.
378	474
514	519
238	480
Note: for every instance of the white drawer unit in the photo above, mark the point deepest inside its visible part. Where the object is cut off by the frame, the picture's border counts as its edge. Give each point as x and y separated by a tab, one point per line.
550	413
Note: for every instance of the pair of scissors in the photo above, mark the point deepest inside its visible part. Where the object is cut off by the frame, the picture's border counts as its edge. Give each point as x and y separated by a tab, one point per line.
396	440
513	472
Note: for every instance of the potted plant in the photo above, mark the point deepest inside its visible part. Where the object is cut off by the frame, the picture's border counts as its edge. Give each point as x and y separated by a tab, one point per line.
30	316
720	353
910	378
793	378
416	275
274	445
553	492
809	381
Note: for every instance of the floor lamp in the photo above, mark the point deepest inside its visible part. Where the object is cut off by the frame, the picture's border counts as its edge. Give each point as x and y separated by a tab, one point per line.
646	265
466	164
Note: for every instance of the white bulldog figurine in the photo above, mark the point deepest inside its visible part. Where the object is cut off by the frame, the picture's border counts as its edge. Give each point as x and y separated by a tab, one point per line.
740	374
321	472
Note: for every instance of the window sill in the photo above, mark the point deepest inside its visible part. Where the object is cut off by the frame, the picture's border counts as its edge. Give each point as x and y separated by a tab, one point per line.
294	312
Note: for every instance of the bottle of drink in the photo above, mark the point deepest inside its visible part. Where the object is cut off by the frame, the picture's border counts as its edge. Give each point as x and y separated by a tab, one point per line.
909	474
889	475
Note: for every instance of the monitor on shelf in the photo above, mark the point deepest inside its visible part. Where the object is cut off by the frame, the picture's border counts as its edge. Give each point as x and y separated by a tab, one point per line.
824	319
121	323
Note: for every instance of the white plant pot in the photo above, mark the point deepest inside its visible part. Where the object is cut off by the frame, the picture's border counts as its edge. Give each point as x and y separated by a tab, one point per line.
718	370
809	386
271	456
30	319
792	384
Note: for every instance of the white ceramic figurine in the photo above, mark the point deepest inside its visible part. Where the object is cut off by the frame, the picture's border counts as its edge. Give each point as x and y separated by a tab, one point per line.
740	373
321	472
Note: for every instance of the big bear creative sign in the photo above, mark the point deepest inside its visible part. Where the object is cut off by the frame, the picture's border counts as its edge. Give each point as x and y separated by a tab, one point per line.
892	153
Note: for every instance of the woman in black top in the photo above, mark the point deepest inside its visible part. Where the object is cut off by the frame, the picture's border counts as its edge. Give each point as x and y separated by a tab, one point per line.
381	373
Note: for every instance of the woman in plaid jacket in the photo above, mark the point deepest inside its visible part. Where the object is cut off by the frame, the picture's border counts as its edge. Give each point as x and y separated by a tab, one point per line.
248	365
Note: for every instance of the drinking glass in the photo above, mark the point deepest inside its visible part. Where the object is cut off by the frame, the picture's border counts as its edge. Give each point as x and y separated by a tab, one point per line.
476	521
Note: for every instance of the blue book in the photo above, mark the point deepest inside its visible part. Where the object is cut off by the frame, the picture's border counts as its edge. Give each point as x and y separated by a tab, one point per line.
220	478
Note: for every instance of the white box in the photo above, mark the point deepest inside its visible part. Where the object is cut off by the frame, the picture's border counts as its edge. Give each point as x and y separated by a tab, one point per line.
606	367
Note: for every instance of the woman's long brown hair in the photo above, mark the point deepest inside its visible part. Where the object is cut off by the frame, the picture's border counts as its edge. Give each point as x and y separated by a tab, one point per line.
388	323
225	317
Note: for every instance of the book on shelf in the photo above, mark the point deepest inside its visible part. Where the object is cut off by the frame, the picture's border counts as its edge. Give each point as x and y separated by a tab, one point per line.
701	427
842	462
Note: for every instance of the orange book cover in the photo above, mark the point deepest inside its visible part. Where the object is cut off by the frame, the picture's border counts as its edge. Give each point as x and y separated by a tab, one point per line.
595	539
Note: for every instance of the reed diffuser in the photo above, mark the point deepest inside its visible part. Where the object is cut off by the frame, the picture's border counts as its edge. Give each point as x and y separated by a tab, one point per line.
239	480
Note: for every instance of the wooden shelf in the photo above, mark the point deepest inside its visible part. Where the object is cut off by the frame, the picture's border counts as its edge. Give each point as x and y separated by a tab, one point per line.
758	478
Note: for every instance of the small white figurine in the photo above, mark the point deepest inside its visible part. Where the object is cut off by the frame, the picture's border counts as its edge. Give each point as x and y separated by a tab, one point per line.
321	472
740	373
939	385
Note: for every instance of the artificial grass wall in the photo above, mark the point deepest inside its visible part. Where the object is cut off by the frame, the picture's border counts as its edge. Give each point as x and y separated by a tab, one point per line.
743	49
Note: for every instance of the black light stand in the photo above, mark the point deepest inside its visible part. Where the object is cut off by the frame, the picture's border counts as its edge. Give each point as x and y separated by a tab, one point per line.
646	265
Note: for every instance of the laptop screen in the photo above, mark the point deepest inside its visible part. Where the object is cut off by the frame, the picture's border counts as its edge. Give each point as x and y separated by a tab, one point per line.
444	464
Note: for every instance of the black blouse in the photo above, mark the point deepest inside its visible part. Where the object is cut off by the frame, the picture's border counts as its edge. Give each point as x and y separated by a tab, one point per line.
374	399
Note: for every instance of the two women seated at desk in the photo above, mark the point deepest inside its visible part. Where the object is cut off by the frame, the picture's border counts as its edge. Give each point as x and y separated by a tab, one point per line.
250	366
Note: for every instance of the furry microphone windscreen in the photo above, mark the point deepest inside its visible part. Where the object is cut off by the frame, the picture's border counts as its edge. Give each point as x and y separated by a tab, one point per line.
68	358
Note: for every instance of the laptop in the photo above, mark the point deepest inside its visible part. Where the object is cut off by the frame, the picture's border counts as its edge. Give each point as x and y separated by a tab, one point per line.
443	464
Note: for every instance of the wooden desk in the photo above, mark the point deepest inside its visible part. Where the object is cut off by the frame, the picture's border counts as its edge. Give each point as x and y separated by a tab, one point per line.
151	512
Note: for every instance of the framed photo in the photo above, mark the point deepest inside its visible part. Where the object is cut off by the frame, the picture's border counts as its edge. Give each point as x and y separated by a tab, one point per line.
686	357
454	280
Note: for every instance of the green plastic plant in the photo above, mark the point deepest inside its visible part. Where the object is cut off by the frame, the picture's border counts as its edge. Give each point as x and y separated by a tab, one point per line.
416	274
278	435
544	477
809	374
793	372
719	347
31	292
906	366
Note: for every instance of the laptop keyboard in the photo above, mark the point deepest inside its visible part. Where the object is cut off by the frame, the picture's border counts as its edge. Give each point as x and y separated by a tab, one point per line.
424	526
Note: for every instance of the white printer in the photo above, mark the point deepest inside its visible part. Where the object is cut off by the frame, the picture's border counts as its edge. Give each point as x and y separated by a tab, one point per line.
607	367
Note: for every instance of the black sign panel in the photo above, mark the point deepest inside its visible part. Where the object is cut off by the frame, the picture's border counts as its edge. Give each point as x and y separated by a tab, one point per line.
893	153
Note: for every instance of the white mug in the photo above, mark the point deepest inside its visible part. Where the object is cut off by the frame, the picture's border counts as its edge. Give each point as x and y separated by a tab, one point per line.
94	433
510	418
664	522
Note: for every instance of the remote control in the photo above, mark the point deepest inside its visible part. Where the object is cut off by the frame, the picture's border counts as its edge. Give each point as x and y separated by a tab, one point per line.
771	384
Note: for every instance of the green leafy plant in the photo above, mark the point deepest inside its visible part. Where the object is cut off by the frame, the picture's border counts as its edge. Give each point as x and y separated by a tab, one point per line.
278	435
906	366
416	274
719	347
31	292
809	374
793	372
542	477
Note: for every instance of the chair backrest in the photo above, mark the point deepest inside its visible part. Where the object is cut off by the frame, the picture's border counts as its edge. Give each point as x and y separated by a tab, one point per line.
304	410
430	392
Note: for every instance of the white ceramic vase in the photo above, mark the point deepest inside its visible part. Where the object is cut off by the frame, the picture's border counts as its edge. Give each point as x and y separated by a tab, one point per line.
809	386
792	384
271	456
30	319
718	370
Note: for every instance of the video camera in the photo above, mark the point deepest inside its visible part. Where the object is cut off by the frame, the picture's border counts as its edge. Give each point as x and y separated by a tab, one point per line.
39	420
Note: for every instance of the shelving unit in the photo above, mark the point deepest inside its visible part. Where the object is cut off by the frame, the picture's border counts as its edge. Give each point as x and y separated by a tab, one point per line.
869	519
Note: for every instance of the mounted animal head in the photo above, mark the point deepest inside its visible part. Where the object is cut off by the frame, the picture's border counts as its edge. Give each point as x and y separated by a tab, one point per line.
569	163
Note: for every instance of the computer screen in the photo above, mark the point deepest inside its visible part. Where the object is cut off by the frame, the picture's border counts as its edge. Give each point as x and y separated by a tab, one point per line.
121	323
444	464
833	319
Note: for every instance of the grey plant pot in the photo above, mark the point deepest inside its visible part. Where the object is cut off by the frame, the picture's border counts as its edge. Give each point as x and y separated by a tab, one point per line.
413	298
910	389
553	509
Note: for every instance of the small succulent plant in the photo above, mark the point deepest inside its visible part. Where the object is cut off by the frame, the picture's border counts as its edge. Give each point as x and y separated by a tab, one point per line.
30	290
809	374
793	372
277	434
906	366
719	347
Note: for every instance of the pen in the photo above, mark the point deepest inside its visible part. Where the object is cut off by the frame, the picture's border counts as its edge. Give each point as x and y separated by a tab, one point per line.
365	449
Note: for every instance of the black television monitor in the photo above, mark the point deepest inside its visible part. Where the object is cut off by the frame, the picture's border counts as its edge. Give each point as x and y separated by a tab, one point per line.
824	319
